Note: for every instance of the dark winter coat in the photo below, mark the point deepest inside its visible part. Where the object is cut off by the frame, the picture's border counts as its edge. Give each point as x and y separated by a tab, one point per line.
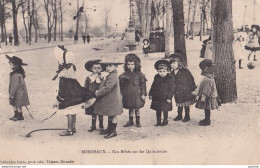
91	86
72	93
161	90
109	99
184	85
133	86
17	90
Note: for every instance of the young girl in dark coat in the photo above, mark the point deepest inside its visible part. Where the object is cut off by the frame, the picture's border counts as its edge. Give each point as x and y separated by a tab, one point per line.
92	83
161	92
207	91
184	85
146	47
133	88
18	95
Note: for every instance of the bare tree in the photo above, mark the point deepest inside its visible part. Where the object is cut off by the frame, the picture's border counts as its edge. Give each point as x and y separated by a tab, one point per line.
178	25
35	20
55	17
106	21
24	9
222	39
15	7
168	29
193	18
4	15
48	5
188	22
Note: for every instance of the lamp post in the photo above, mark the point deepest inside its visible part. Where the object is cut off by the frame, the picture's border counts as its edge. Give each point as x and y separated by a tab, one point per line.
130	40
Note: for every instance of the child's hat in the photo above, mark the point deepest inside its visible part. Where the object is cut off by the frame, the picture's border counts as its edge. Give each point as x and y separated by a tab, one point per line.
175	57
89	64
16	61
162	63
146	40
132	56
255	26
207	66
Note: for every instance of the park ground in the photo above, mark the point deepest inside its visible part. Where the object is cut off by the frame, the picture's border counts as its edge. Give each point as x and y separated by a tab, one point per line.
232	138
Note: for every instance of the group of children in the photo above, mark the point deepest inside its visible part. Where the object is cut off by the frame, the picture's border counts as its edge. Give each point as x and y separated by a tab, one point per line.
128	91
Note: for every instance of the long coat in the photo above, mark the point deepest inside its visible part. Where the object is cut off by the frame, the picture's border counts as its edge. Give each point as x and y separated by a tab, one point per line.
184	85
208	90
133	86
18	90
109	99
91	86
161	90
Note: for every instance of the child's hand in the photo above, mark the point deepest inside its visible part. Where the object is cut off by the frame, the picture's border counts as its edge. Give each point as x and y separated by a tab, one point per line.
143	97
11	100
169	100
203	98
150	97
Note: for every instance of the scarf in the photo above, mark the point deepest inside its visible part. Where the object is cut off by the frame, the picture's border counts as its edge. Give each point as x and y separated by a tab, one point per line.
19	70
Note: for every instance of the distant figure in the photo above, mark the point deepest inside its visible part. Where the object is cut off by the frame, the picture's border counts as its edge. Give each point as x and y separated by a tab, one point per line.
75	38
84	38
137	36
88	38
10	39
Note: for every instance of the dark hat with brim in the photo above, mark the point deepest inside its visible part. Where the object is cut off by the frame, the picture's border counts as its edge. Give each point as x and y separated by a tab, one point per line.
146	40
16	61
89	64
205	63
175	57
162	63
132	56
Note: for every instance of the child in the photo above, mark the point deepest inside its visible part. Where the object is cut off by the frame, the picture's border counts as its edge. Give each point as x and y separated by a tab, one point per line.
92	83
109	100
207	92
161	91
239	50
184	85
18	95
146	47
133	88
71	94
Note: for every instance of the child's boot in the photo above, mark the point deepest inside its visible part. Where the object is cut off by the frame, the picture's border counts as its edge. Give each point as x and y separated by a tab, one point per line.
74	123
255	58
179	116
69	131
138	124
158	118
131	120
19	117
101	126
240	61
206	121
93	125
108	130
187	114
165	118
112	132
15	115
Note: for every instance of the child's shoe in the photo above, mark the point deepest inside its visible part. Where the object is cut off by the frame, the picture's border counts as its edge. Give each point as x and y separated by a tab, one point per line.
92	128
138	124
130	122
204	122
15	115
165	122
19	117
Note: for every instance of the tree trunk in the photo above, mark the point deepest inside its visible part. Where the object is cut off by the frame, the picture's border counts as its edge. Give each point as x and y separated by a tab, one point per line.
143	23
2	20
49	34
222	39
188	22
193	19
77	23
201	23
15	28
5	34
25	27
179	32
168	29
55	20
149	17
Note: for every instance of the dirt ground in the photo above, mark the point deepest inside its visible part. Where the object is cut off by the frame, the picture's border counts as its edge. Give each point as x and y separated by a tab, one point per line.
232	138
